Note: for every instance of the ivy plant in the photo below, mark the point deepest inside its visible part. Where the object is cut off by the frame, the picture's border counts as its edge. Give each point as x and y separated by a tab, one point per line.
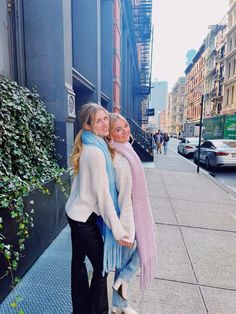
27	161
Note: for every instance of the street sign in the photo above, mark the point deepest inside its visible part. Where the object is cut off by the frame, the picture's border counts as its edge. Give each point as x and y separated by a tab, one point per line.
150	112
230	127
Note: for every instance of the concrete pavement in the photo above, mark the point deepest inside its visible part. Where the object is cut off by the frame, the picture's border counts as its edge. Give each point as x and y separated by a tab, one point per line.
196	271
196	227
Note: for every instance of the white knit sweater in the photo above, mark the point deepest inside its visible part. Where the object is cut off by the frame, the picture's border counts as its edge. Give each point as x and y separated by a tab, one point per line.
90	192
124	187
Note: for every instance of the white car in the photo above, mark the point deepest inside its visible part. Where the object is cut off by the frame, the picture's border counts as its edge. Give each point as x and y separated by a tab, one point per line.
188	145
217	153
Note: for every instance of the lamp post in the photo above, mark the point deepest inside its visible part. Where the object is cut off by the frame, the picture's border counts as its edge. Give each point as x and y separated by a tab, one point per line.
199	89
200	133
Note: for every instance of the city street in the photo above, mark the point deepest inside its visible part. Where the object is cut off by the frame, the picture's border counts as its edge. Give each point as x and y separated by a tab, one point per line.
77	74
226	176
196	248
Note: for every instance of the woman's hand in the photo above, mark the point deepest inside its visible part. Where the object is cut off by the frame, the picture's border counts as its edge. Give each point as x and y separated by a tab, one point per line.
125	242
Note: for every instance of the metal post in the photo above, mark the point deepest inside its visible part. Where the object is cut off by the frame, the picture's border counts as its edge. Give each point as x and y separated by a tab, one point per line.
200	133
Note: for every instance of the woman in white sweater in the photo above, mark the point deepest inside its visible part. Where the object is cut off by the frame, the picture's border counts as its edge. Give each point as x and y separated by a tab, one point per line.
92	195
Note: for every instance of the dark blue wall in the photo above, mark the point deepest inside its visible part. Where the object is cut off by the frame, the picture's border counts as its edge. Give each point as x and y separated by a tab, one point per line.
107	50
85	29
44	53
51	52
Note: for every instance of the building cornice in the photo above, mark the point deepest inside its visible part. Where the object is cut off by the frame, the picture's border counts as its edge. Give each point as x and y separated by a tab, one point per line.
230	54
230	81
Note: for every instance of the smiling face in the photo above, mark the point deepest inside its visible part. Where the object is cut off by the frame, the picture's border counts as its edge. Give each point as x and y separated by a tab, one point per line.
120	131
100	124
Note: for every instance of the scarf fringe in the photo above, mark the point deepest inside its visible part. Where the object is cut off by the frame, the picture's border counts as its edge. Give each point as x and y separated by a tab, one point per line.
147	272
112	257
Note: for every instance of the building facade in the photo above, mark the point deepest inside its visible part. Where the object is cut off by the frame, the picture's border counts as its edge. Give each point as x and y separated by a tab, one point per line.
190	55
210	68
158	95
158	101
74	52
229	102
142	25
163	126
168	113
194	86
217	96
177	104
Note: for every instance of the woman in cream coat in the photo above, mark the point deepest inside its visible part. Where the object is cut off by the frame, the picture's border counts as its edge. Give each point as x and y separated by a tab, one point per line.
92	195
136	216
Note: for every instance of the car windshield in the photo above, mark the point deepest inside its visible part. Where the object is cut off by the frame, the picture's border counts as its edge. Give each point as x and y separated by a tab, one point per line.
225	144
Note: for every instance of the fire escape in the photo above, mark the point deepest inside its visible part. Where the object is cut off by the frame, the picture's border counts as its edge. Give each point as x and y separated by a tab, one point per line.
142	17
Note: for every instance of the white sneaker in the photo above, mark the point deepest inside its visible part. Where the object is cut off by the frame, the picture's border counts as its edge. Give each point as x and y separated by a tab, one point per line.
121	287
114	310
129	310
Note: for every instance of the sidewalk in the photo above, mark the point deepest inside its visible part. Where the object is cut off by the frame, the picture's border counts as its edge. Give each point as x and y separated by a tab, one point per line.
196	271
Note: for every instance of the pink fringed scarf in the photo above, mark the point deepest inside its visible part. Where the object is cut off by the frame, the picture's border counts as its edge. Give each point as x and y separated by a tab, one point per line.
145	230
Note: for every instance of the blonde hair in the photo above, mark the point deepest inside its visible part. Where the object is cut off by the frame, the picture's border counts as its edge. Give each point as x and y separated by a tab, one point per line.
113	117
87	114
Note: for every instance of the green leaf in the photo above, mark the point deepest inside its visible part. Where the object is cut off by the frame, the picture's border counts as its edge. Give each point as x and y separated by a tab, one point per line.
27	160
18	298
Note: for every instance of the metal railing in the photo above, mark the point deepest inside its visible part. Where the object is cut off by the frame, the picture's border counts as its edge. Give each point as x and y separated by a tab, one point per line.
141	137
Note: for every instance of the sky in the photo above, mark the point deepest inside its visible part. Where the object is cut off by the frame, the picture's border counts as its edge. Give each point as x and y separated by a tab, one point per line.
180	25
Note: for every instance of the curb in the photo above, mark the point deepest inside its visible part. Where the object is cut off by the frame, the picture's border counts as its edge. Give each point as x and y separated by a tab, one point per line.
206	174
222	186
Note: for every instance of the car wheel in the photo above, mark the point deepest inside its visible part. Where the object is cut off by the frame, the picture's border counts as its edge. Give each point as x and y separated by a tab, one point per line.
195	158
208	164
179	151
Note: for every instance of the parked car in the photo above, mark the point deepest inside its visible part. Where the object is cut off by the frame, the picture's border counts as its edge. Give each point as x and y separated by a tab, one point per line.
188	145
217	153
173	135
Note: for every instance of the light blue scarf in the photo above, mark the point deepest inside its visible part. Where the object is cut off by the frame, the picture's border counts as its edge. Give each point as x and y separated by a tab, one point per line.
112	250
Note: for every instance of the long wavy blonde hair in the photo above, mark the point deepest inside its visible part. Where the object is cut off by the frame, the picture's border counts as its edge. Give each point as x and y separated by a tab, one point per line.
87	114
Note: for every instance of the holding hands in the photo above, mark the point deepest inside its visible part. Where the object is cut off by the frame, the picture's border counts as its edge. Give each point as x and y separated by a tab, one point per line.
125	242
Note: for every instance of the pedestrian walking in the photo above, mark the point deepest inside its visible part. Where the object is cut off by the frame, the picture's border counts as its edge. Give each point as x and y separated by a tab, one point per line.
136	216
93	193
158	140
165	142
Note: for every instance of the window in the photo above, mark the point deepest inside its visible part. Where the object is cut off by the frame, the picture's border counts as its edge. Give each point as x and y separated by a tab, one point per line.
230	44
220	90
232	95
16	40
229	68
207	144
227	97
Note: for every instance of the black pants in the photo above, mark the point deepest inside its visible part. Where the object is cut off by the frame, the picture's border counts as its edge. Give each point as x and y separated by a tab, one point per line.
87	241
